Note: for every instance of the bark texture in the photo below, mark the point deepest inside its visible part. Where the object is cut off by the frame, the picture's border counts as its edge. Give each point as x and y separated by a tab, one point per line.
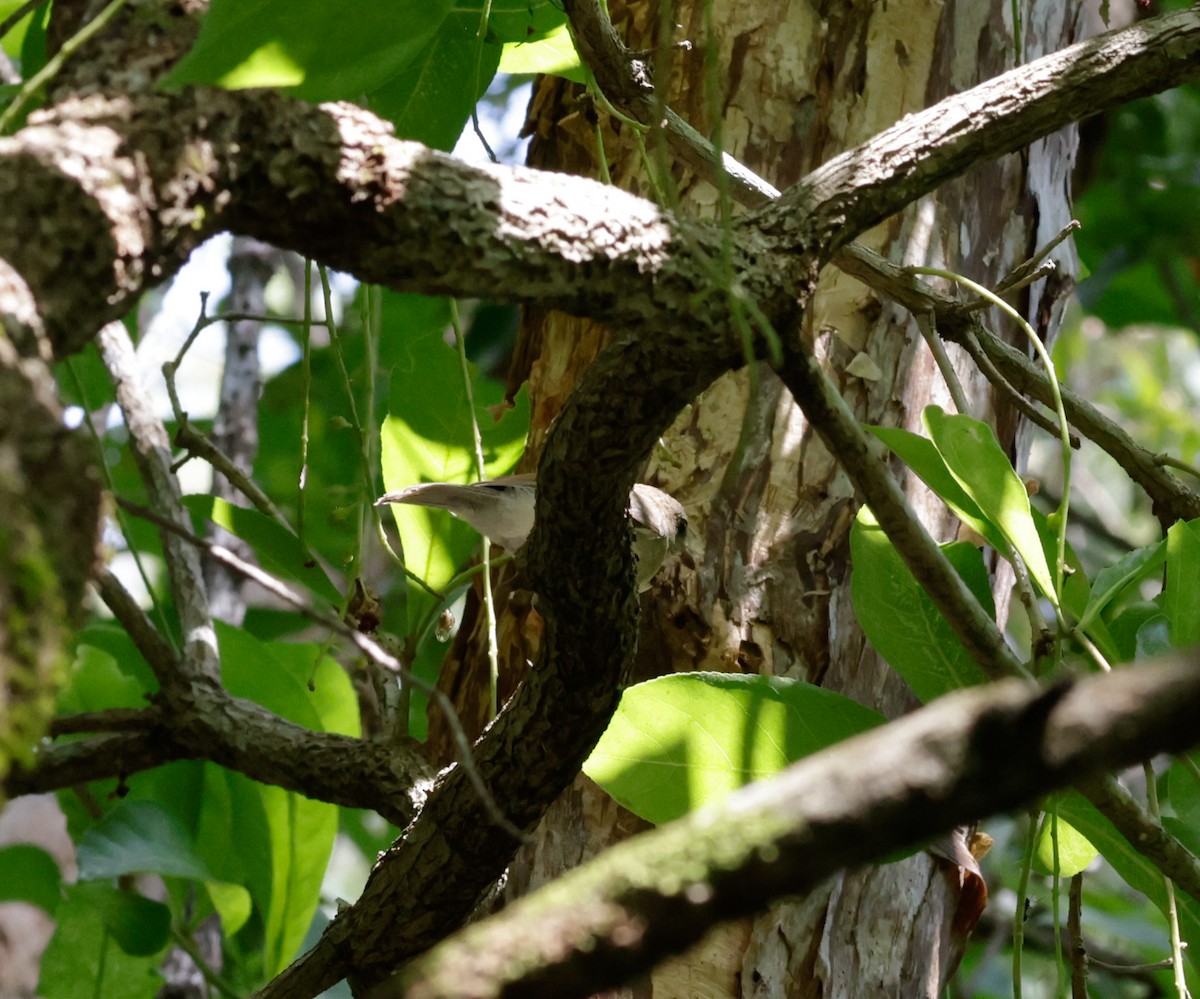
769	592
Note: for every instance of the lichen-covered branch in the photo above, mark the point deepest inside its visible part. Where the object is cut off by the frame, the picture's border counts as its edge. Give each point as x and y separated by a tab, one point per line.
968	755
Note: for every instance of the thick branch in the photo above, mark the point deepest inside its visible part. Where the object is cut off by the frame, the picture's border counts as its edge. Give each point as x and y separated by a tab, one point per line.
245	737
863	186
966	756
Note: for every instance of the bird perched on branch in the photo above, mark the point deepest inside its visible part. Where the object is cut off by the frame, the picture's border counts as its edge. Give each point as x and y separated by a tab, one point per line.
503	508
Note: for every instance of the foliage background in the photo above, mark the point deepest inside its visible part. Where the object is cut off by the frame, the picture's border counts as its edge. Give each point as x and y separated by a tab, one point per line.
197	839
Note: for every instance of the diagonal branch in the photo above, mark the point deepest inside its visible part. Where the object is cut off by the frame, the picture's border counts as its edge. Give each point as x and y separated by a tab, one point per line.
968	755
863	186
1172	499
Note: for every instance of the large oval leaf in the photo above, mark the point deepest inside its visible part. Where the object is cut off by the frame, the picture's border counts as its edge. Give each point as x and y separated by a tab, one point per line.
685	740
901	619
318	50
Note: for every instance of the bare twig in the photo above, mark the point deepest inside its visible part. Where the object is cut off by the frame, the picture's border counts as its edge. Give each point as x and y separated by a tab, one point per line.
1078	951
157	652
364	643
152	455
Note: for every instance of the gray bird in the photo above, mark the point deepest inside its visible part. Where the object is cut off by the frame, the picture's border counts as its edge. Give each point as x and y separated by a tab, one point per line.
503	510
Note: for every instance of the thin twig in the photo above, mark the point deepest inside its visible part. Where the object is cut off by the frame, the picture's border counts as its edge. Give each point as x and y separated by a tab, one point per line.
927	324
158	653
1078	951
364	643
970	343
1177	945
1027	272
152	455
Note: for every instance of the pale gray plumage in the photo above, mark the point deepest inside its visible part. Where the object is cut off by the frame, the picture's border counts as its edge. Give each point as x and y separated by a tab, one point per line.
503	509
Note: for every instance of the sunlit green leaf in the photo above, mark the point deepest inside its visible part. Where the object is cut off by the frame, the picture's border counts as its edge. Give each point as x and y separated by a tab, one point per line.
427	437
554	55
920	454
688	739
313	48
515	20
1183	584
1075	853
975	458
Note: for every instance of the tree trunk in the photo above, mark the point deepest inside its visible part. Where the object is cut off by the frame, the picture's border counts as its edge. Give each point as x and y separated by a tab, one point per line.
770	510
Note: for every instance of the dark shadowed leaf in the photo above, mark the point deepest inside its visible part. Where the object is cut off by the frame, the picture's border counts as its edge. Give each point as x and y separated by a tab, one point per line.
901	619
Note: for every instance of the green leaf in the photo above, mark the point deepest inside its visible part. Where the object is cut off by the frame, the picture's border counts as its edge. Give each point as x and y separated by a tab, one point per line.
688	739
901	620
277	674
1183	790
284	839
432	99
1124	627
138	837
15	37
29	874
919	454
1137	871
1075	853
82	963
140	925
1153	637
318	50
554	55
279	551
229	840
975	458
427	436
515	20
1183	584
97	683
1113	580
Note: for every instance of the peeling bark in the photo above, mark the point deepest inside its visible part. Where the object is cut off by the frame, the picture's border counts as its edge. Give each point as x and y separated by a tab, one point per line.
770	589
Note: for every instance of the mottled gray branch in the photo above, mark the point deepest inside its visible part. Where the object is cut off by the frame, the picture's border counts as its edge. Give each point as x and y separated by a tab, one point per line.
152	454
